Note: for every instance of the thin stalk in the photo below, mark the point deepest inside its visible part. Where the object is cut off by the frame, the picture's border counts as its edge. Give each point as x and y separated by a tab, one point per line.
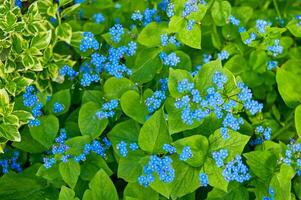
277	8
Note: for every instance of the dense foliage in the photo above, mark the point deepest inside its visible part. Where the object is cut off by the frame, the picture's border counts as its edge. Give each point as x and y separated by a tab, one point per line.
150	99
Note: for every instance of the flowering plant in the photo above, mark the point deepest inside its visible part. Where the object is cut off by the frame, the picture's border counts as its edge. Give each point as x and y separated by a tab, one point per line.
158	99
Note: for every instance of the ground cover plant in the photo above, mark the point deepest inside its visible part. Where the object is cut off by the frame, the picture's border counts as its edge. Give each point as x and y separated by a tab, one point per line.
150	99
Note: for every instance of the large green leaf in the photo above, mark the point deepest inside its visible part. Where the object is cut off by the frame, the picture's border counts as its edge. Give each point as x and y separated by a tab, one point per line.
63	97
70	172
41	40
88	122
262	163
135	191
220	12
67	194
154	133
101	188
147	64
114	87
192	37
175	76
47	131
298	120
150	35
199	146
133	106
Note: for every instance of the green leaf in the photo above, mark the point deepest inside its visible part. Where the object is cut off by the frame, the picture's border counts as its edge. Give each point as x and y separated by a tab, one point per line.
220	12
262	163
199	146
175	76
64	32
67	194
76	144
138	192
92	165
41	40
150	36
191	38
23	116
147	64
131	167
239	192
92	95
154	133
133	105
294	28
297	186
47	131
64	2
281	182
176	23
10	132
4	98
288	81
70	10
234	144
214	173
298	120
114	87
101	187
70	172
88	122
63	97
25	186
28	144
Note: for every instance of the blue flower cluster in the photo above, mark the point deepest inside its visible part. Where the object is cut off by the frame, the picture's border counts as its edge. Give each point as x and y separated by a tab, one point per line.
169	59
219	157
107	110
234	21
161	166
98	18
122	148
116	32
276	49
163	84
293	156
11	163
137	16
196	71
68	71
88	42
31	100
190	24
298	18
59	151
203	177
165	40
264	132
190	7
261	25
245	96
169	149
250	39
58	107
170	10
235	170
272	64
186	153
223	55
154	102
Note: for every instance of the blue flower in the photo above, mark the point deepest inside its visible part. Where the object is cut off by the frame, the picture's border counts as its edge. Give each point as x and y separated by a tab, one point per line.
276	49
219	157
58	107
154	102
250	39
185	86
203	179
190	24
122	147
34	122
233	20
137	16
170	60
116	32
223	55
261	25
107	110
68	71
170	10
169	149
272	64
49	162
235	170
190	6
88	42
164	39
186	153
219	80
134	146
98	18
